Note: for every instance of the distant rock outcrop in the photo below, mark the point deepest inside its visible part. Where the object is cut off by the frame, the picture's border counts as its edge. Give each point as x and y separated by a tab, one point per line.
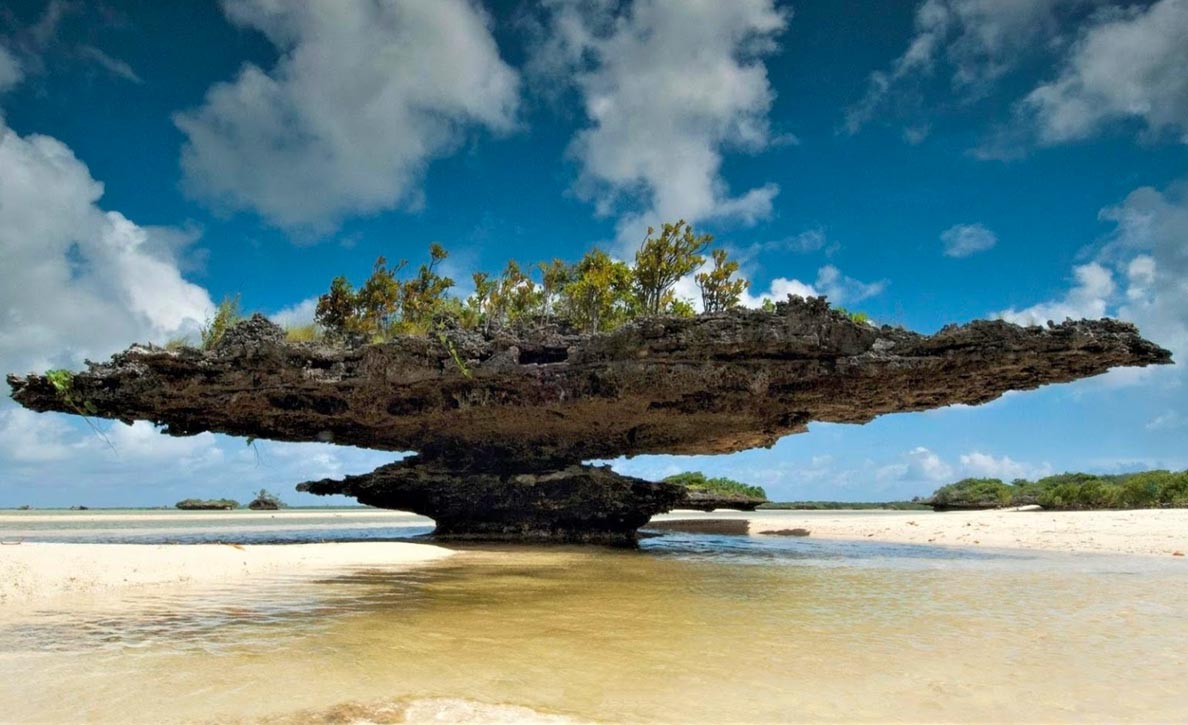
708	501
215	504
502	420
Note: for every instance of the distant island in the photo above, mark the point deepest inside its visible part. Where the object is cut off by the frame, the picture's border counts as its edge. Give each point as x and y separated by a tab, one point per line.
207	504
263	500
266	501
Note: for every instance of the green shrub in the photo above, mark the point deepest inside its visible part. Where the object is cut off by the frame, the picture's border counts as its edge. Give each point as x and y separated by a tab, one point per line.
860	317
973	493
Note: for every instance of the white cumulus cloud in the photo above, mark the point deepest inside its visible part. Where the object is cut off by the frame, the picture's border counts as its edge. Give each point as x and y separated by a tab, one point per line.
667	87
301	313
1139	275
1089	298
1129	64
48	459
78	281
984	465
1150	246
962	240
919	464
365	94
839	288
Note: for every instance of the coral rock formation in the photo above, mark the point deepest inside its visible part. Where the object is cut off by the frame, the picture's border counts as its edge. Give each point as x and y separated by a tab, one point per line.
501	420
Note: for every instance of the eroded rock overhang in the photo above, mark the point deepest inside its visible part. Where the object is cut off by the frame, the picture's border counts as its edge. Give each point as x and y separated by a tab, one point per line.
708	384
515	411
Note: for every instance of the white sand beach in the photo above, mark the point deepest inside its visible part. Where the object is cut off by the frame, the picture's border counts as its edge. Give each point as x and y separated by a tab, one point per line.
1156	532
31	572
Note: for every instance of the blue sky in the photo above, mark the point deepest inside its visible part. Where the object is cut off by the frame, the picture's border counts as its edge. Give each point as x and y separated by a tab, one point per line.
926	162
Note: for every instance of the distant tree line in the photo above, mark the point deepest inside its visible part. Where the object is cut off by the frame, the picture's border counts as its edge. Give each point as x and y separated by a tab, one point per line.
1069	491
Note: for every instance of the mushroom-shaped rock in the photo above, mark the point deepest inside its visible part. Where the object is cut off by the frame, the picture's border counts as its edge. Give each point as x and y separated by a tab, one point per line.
513	413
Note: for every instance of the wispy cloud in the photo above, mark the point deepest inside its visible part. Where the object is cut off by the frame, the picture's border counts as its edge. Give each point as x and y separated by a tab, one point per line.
115	66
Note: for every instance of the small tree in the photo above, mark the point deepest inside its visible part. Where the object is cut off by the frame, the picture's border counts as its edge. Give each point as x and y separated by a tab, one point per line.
598	296
379	299
553	278
516	296
720	289
336	311
423	295
663	260
478	305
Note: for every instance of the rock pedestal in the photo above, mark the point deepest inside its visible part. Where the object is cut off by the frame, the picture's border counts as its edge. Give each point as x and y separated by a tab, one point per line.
577	503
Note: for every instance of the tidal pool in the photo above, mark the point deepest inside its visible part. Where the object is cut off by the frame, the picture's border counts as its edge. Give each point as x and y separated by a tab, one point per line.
689	628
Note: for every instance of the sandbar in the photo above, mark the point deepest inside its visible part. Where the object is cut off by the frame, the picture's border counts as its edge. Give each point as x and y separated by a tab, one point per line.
35	572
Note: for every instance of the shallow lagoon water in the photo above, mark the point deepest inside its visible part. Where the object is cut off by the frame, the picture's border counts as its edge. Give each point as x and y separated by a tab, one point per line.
689	628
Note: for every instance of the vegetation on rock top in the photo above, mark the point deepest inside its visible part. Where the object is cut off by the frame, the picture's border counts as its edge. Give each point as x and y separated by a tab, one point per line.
207	504
726	487
595	294
266	501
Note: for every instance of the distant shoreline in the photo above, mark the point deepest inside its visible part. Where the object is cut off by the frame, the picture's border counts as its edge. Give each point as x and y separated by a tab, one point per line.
1148	532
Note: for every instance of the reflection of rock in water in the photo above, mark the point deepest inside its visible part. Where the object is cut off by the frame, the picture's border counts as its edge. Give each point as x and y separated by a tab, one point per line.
501	419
